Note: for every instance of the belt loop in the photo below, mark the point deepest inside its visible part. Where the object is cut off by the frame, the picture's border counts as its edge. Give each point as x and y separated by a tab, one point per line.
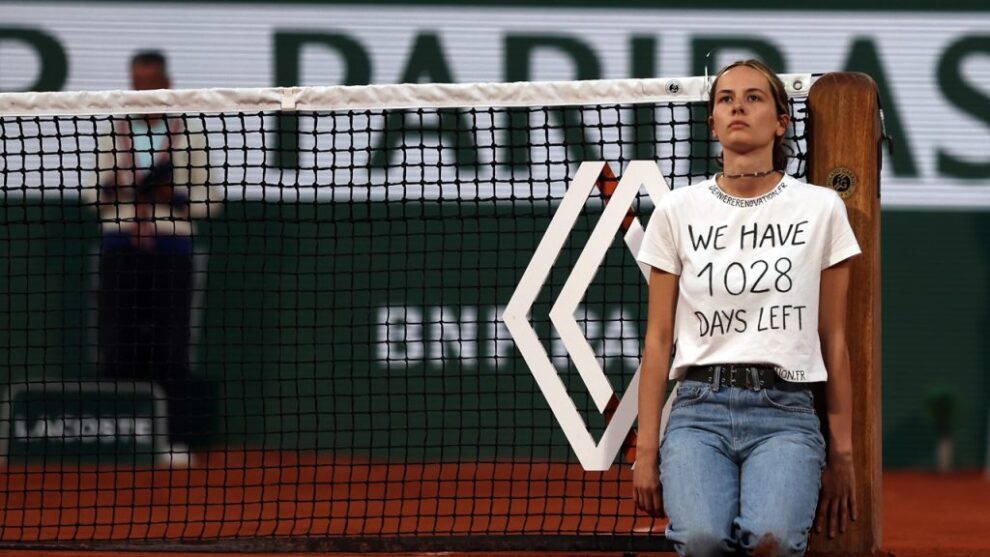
717	378
754	376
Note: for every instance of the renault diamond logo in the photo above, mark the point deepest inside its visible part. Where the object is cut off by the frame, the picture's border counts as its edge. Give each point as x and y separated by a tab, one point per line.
593	456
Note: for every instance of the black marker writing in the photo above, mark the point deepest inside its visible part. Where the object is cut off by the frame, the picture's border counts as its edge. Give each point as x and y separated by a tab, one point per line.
721	322
780	317
772	235
735	278
712	238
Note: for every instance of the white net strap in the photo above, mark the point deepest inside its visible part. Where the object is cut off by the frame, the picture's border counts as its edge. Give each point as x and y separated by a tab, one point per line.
363	97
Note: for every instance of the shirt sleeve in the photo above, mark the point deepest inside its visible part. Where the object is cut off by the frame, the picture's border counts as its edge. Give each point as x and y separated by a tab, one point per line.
103	173
841	243
193	173
659	248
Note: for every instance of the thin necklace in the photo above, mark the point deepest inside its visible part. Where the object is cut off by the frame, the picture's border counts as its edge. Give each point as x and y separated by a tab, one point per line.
760	174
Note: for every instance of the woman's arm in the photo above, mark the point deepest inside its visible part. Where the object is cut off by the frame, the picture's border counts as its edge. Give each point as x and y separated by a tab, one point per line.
837	503
652	389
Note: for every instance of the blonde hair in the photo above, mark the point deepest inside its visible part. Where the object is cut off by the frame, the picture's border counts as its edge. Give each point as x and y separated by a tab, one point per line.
777	91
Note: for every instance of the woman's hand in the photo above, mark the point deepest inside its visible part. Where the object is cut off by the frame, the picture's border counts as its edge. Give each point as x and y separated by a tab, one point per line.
647	491
837	502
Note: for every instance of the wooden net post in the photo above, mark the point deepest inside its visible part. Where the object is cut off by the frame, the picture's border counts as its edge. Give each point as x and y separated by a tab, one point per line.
844	135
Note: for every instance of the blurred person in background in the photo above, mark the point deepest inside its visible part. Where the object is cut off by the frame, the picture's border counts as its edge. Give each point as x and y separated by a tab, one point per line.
152	180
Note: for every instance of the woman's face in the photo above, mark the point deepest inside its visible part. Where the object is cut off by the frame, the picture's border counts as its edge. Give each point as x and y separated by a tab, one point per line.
745	116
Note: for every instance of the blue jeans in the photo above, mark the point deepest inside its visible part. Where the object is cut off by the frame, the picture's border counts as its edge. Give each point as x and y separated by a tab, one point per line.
740	469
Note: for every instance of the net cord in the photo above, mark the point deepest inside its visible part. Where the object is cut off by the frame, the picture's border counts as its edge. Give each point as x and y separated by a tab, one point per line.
365	97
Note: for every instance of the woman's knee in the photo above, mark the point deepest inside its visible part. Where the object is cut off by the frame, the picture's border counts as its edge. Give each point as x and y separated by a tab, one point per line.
700	542
775	542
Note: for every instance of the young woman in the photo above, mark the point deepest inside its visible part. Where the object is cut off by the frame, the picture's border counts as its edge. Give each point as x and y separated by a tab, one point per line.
749	280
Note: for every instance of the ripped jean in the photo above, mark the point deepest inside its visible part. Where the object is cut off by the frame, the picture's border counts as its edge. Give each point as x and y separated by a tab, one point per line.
740	469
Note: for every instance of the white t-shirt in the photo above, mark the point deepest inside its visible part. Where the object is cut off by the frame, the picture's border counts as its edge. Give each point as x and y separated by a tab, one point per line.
750	273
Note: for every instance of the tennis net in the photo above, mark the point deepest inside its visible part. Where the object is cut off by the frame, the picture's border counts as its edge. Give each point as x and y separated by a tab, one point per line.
272	319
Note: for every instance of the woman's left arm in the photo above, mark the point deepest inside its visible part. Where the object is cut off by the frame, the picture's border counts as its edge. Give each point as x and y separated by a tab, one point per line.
837	503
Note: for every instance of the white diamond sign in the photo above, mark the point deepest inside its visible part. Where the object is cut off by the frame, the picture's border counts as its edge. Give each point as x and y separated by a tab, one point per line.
638	174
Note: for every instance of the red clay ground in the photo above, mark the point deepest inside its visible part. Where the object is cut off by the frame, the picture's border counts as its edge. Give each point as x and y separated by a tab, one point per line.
925	515
930	515
268	493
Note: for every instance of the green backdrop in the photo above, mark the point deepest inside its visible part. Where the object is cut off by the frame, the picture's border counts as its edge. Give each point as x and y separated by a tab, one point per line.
289	325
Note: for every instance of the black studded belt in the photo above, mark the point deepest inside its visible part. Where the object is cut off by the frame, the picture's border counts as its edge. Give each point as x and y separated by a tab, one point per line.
746	376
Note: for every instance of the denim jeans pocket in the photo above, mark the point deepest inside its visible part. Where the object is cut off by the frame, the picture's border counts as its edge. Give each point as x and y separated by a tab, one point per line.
793	399
690	392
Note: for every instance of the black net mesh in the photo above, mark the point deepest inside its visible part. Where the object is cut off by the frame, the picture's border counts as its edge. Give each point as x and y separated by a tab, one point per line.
257	328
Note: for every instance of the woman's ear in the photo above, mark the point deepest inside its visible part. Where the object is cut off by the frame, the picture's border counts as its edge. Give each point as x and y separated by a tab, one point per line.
711	127
783	121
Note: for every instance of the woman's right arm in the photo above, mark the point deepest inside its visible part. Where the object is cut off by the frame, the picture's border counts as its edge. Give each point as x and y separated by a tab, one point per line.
652	389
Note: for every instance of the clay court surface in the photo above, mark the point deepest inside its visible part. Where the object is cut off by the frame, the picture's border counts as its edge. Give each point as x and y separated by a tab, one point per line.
924	514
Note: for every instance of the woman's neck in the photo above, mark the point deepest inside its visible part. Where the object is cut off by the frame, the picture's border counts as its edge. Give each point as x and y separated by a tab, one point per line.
744	176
